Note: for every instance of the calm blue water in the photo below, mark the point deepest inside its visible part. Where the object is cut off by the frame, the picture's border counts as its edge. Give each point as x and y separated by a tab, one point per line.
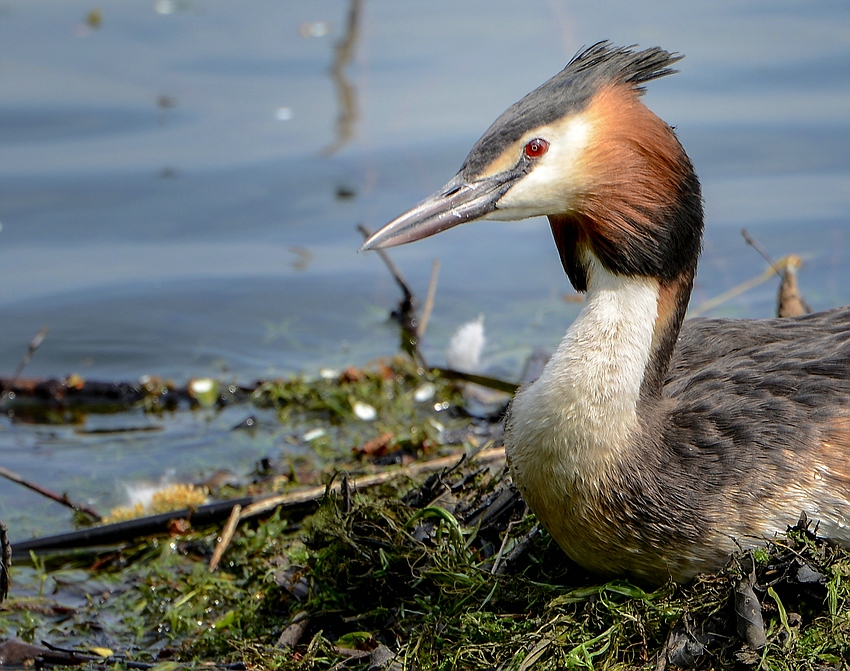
177	196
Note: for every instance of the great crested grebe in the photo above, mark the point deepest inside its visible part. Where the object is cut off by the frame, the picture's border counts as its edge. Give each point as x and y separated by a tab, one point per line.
648	447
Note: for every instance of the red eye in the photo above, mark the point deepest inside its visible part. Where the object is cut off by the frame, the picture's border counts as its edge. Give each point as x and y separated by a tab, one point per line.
536	148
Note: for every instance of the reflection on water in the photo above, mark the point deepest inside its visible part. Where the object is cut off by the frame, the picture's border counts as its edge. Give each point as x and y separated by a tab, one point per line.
345	94
179	189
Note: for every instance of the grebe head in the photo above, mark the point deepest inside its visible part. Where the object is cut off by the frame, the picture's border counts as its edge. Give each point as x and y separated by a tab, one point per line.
583	150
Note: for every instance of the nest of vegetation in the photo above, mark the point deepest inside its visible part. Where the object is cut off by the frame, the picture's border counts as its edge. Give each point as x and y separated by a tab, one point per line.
445	572
450	574
455	574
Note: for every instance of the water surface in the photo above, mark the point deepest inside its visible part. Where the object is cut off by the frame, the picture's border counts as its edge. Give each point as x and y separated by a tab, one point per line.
180	186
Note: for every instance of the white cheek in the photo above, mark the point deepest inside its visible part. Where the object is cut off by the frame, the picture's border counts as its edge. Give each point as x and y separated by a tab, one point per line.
552	184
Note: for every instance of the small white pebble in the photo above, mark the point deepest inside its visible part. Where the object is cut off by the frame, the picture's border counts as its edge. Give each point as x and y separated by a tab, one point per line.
425	392
328	374
313	434
364	411
201	386
204	390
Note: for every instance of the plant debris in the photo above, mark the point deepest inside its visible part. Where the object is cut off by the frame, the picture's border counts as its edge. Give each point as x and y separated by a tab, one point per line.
446	572
176	496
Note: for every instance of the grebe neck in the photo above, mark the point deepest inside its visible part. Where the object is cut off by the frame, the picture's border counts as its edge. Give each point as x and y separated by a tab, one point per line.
584	409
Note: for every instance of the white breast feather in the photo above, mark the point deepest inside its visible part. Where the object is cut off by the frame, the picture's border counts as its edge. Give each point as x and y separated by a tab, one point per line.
573	420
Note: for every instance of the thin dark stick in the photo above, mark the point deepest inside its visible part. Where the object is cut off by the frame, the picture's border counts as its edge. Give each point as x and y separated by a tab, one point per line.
210	513
406	314
59	498
71	656
761	250
5	561
35	343
481	380
394	271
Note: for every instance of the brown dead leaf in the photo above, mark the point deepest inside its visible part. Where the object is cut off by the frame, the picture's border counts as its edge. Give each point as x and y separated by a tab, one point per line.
179	527
351	374
377	446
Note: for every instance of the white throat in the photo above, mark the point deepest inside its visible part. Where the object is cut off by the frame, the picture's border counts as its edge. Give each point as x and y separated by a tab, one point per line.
583	408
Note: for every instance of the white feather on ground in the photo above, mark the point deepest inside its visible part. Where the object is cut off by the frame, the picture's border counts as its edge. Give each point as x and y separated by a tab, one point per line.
466	345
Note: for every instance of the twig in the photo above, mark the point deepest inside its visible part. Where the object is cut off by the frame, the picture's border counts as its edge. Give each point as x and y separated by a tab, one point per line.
790	303
59	498
743	287
292	634
392	267
17	654
35	343
535	653
429	299
406	313
121	532
482	380
81	657
5	561
315	493
498	562
778	268
226	536
520	547
763	252
14	653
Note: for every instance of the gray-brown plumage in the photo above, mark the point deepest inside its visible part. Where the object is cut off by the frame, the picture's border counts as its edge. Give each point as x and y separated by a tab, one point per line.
648	447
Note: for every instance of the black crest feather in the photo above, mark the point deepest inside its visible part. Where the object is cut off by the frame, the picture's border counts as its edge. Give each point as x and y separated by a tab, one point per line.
604	62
